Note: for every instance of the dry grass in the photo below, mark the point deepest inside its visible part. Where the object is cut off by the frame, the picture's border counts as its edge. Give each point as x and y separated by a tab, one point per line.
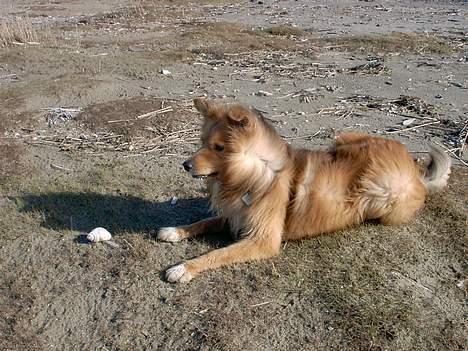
286	31
20	30
390	43
228	37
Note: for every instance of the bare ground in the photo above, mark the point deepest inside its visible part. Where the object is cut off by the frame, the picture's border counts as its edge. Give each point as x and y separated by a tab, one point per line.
115	162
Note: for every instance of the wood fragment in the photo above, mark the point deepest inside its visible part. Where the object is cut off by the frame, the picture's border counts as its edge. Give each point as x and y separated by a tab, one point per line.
452	153
261	304
60	168
411	128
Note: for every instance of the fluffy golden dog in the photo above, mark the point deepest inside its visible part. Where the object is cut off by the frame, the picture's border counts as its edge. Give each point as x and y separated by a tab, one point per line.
267	191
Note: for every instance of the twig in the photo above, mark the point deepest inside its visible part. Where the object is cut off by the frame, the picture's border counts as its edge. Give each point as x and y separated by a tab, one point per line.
261	304
60	168
463	144
154	113
452	153
119	120
301	136
411	128
417	117
413	281
130	245
145	115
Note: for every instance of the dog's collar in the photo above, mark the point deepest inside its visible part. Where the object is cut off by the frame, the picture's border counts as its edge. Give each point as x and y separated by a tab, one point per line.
247	199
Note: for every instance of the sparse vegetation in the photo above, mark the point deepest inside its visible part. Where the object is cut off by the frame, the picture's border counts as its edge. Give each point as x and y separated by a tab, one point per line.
17	31
286	31
390	43
218	38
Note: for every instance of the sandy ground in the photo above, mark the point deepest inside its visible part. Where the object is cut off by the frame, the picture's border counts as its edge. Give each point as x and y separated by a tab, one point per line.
126	72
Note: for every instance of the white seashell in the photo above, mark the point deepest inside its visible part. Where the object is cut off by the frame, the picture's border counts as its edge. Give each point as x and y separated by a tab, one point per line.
408	121
99	234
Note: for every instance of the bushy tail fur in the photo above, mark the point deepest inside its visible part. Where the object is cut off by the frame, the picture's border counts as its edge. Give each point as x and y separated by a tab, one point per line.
437	171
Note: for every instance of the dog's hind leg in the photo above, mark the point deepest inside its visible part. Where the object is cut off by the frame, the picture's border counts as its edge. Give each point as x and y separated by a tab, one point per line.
403	211
174	234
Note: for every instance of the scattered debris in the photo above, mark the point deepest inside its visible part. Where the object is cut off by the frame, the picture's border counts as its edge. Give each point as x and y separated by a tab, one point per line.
309	94
404	104
260	65
144	116
306	137
109	141
428	64
458	85
9	78
263	93
412	128
454	134
374	65
60	114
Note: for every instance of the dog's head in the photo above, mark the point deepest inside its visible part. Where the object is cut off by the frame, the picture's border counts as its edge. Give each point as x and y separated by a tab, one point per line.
223	125
239	149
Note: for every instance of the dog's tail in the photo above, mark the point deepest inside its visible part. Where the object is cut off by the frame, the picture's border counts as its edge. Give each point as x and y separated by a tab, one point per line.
437	171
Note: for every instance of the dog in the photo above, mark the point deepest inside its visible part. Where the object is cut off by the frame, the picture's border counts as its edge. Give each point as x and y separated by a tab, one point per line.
265	191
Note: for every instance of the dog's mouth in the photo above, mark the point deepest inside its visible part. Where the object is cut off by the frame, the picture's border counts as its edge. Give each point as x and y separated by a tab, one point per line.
204	176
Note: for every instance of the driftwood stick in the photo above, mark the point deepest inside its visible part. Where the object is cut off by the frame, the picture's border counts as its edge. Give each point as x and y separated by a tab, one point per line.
452	153
411	128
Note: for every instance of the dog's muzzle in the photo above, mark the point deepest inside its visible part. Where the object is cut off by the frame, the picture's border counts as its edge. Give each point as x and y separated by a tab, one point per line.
188	166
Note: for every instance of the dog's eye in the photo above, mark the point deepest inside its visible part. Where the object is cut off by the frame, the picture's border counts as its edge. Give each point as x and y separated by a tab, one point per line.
218	147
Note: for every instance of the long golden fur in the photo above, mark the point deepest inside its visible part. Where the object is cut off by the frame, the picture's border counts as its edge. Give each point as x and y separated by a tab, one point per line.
267	191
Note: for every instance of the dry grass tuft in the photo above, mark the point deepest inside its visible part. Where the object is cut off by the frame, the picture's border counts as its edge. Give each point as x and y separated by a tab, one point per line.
19	30
286	31
227	37
391	43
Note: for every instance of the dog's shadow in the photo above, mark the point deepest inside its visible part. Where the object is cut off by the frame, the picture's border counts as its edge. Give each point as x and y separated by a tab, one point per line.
119	214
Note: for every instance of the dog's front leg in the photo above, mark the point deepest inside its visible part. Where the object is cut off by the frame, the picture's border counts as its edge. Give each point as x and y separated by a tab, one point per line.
251	248
174	234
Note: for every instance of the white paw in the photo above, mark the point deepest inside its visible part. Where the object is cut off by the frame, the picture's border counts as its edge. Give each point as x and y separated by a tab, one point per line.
178	274
169	234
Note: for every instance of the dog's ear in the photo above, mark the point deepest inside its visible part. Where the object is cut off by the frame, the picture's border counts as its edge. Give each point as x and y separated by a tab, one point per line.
208	108
239	116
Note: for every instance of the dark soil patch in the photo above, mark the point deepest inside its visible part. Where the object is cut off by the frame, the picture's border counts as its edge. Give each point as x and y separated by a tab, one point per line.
127	117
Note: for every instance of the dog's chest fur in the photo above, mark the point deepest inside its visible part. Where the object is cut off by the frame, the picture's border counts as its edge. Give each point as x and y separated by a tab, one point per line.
233	209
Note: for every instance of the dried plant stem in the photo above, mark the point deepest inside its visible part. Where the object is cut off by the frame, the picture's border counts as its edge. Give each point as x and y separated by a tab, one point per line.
411	128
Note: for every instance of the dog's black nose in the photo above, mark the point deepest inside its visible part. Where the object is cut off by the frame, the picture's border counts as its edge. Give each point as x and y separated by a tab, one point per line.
188	165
